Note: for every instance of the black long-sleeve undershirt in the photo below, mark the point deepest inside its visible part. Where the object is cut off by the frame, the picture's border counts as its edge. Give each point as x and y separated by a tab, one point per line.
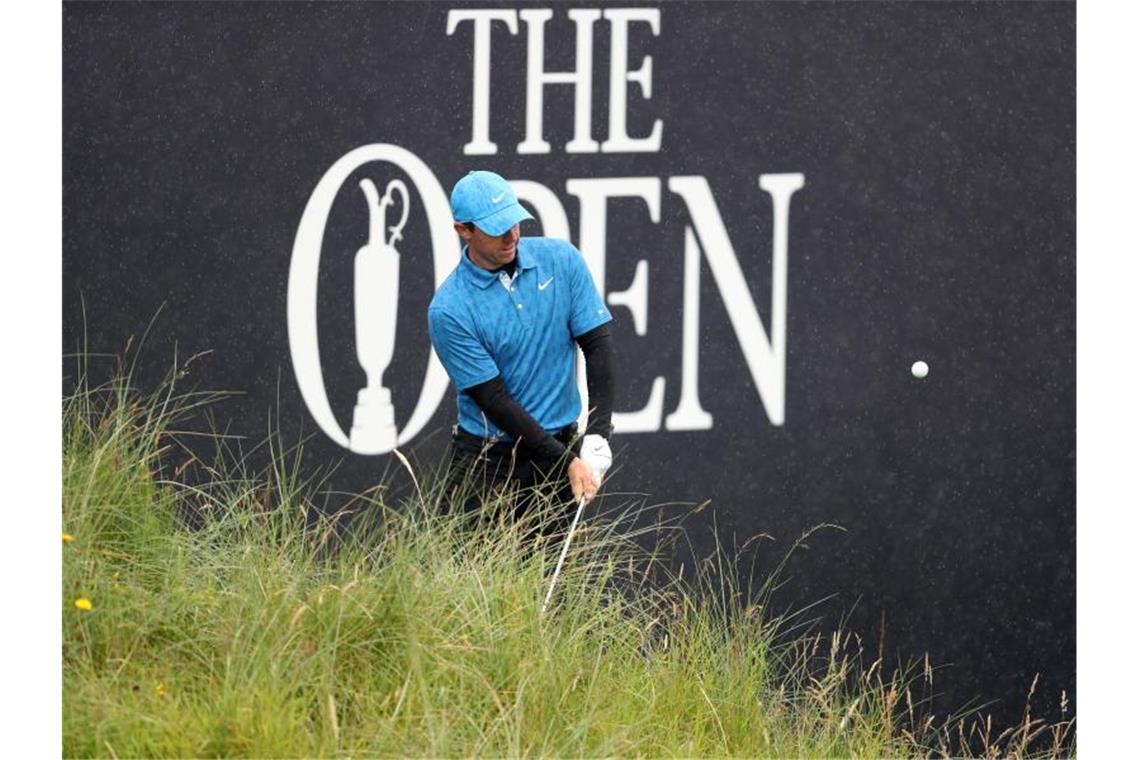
496	401
598	348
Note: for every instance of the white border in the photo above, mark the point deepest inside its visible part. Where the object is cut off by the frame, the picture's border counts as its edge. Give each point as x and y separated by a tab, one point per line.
30	291
1107	382
1107	374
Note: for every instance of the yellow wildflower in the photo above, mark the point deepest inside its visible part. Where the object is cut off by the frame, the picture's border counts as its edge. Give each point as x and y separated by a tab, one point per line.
160	689
68	538
83	603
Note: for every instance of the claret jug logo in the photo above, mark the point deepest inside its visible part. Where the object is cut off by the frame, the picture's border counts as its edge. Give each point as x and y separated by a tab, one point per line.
376	294
376	266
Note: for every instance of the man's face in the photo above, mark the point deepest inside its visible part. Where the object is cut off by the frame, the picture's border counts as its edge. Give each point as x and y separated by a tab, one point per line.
486	251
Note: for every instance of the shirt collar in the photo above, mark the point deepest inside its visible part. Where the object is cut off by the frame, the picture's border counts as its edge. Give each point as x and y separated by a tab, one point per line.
483	277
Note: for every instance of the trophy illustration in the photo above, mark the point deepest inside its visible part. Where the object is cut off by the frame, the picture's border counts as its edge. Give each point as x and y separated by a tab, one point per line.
376	291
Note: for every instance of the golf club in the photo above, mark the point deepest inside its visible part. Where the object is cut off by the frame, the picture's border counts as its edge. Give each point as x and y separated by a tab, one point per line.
565	548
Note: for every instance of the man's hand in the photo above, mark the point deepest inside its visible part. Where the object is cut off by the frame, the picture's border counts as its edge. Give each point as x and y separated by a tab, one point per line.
596	453
582	479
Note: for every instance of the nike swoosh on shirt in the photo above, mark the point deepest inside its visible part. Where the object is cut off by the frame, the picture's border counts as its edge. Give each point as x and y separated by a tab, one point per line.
542	285
499	197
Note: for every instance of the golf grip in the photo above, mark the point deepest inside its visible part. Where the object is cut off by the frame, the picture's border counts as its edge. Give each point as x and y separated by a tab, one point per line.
565	548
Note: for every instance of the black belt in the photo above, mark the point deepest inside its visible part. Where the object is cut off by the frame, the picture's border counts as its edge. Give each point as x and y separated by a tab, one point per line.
565	436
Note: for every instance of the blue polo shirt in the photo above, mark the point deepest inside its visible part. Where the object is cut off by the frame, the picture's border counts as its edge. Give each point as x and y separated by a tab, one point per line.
481	329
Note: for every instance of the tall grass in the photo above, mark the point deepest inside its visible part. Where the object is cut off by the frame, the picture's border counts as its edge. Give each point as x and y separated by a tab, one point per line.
228	619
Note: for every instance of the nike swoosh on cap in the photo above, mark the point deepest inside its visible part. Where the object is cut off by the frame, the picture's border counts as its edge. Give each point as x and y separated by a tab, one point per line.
499	197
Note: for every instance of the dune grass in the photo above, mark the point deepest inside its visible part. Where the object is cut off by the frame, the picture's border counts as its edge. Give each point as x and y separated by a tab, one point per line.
221	616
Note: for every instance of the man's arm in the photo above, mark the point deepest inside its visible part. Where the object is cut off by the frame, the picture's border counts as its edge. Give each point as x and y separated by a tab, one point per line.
502	409
598	348
589	324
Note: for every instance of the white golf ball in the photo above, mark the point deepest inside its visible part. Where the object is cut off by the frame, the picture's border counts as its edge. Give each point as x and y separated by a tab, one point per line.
919	369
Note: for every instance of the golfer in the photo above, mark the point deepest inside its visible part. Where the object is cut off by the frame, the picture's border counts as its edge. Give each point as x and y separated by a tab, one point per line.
507	325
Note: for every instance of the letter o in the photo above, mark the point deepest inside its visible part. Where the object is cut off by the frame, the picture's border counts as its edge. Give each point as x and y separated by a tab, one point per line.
301	305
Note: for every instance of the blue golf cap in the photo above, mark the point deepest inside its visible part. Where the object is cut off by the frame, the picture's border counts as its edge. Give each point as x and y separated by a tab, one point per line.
487	200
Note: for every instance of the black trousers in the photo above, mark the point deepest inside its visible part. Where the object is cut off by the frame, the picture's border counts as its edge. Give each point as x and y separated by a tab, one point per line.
502	475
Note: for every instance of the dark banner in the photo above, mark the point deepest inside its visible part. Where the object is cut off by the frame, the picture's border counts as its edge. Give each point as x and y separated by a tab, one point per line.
838	241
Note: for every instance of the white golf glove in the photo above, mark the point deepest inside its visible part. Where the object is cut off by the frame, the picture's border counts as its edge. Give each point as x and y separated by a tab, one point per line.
596	453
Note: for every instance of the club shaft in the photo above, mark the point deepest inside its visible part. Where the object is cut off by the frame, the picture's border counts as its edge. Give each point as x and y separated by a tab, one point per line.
565	549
